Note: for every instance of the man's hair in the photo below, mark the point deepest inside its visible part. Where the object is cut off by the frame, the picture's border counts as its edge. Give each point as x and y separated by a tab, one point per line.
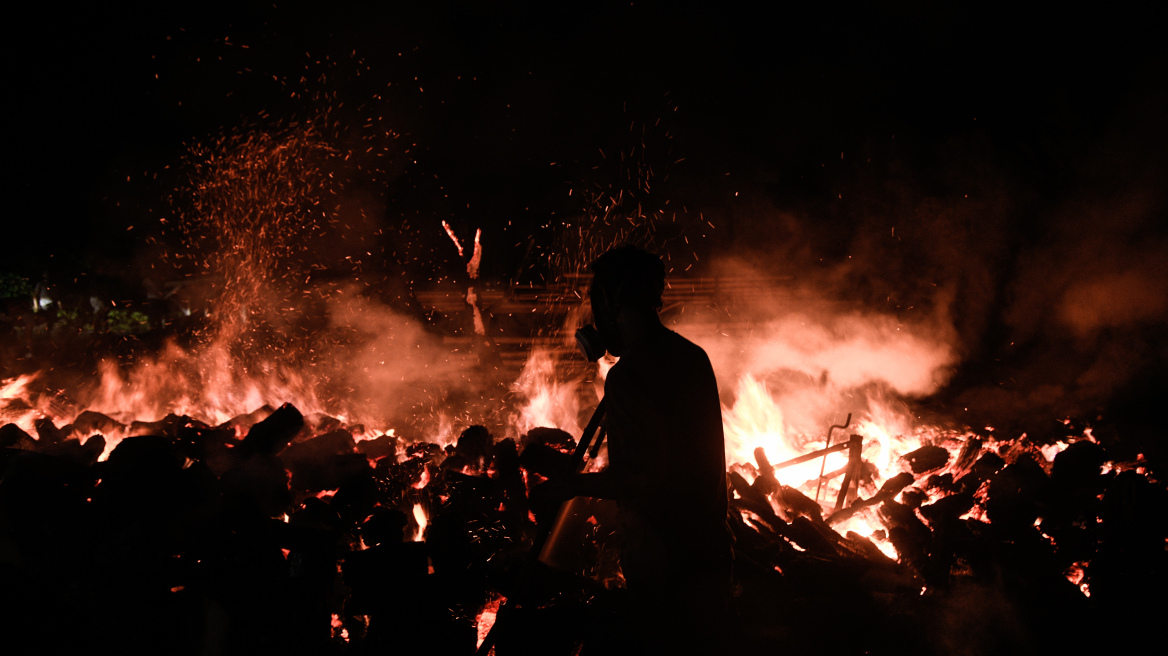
633	277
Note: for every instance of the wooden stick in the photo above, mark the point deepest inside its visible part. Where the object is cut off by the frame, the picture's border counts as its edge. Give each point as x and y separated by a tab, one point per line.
830	430
855	462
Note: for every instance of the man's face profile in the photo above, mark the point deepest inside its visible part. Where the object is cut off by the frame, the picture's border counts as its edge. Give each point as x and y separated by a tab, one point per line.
604	314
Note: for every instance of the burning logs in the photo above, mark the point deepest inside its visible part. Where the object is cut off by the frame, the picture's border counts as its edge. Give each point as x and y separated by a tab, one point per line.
152	551
926	458
888	491
301	538
11	436
958	526
274	433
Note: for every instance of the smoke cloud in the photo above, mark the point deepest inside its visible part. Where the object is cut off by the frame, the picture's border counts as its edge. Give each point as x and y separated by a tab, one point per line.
952	272
820	356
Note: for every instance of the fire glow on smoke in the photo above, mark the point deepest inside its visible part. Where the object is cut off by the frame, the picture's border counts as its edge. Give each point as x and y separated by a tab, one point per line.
786	421
790	360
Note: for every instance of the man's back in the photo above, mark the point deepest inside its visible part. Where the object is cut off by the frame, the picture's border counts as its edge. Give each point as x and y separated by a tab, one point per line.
666	450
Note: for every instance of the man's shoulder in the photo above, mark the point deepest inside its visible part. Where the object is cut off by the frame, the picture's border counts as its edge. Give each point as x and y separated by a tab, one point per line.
668	351
678	342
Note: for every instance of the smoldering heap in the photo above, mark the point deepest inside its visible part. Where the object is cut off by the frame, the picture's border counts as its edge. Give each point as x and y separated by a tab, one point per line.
296	538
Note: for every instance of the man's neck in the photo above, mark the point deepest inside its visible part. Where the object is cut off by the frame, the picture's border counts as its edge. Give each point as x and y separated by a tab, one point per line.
638	325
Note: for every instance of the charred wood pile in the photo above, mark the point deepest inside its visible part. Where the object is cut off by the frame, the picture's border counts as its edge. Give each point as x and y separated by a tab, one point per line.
998	554
279	533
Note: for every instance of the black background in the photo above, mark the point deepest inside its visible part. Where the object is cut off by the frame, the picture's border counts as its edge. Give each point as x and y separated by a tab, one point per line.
772	96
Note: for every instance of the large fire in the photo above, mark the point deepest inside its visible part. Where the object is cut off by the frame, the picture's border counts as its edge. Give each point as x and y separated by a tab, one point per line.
880	457
818	413
210	387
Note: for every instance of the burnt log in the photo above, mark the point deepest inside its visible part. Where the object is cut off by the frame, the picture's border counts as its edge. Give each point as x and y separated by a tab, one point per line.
47	432
1077	469
245	421
142	480
907	533
926	458
1017	494
913	497
13	437
807	531
256	489
949	508
384	577
814	536
1076	485
942	483
330	462
796	503
752	501
90	422
308	459
144	455
765	483
750	538
554	437
170	426
869	549
42	498
272	435
546	461
766	524
83	454
968	455
952	538
313	549
1131	559
357	490
746	492
505	468
475	444
381	447
214	447
326	472
887	492
148	427
315	525
427	451
986	466
318	423
759	536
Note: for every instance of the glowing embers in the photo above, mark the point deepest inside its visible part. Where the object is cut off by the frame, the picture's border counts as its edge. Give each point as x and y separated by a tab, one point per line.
486	618
422	520
888	454
1077	574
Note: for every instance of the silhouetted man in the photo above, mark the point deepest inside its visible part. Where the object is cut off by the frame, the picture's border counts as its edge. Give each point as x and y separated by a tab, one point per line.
666	461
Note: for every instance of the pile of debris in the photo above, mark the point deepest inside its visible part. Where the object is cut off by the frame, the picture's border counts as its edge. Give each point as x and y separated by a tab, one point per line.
998	551
279	533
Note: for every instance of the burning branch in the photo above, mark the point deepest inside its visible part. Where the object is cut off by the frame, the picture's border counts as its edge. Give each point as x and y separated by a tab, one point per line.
472	270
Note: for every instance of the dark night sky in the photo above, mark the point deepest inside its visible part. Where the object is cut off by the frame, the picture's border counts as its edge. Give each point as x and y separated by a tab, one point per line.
771	96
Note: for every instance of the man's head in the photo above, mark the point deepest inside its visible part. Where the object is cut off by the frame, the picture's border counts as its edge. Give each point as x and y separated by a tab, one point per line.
625	280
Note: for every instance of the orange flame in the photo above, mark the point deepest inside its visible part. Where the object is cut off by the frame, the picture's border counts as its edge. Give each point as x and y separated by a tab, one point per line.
546	401
420	517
